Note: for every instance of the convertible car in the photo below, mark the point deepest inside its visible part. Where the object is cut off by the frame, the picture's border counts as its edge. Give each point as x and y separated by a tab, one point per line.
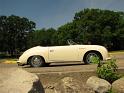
38	56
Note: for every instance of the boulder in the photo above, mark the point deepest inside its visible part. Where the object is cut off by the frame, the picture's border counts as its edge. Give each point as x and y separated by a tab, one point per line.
49	89
17	80
70	85
118	86
98	85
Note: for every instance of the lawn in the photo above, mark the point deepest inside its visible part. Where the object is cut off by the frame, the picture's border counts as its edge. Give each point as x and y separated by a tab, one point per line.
117	52
8	60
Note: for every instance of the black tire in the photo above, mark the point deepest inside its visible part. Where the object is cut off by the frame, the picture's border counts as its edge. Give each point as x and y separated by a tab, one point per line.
88	57
36	61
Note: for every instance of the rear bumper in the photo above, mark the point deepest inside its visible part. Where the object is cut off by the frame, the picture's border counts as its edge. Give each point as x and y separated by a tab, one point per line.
109	58
104	61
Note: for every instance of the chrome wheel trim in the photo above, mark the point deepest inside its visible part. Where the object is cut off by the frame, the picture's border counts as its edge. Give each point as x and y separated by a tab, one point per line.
36	61
90	56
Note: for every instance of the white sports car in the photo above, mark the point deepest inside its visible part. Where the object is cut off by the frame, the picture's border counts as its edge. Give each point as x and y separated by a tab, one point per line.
38	56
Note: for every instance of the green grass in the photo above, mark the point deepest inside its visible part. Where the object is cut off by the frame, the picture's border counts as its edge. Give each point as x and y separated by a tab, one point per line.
119	51
8	60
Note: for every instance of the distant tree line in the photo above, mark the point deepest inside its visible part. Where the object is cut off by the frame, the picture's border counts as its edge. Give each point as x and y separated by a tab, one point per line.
89	26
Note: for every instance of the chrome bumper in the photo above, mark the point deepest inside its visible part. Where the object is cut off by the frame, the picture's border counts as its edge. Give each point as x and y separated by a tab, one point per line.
109	58
20	64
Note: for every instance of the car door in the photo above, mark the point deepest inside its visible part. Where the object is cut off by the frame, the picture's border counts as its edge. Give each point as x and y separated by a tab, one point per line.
63	53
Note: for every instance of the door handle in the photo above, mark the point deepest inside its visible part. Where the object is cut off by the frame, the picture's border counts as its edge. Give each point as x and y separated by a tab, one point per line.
81	48
51	50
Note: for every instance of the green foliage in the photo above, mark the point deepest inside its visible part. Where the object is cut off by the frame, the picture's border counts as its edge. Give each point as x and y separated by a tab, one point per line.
13	33
94	26
95	60
111	91
43	37
89	26
107	70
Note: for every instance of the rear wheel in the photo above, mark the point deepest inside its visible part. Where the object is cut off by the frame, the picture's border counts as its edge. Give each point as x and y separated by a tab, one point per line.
88	58
36	61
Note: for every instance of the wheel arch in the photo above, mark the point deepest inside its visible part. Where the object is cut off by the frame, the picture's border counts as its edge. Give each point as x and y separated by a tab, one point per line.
94	51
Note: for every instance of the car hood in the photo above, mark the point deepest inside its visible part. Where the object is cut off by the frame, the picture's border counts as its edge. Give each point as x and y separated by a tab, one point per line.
33	49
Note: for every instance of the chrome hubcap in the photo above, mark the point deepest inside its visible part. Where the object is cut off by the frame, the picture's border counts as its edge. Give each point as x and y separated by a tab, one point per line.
90	57
36	61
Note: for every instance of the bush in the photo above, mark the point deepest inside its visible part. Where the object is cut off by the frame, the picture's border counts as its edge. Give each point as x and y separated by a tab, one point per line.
111	91
2	55
107	70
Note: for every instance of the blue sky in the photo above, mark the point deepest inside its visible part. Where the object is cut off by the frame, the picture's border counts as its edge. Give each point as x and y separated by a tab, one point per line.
54	13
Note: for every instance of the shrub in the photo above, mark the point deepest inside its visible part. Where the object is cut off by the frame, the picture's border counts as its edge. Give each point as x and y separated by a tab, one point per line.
111	91
107	70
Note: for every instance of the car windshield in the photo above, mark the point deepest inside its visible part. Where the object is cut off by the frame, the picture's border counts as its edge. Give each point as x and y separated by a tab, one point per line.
71	42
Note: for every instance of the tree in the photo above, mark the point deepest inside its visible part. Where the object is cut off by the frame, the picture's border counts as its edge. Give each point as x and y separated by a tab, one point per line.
102	27
3	33
89	26
43	37
15	29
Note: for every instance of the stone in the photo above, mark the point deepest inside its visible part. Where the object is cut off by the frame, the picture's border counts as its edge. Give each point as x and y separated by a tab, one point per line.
118	86
17	80
98	85
49	89
70	85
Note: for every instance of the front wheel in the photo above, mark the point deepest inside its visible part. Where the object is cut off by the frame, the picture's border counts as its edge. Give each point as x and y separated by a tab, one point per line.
88	58
36	61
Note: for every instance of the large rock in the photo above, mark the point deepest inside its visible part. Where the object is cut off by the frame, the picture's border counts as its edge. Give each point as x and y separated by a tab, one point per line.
16	80
98	85
118	85
49	89
70	85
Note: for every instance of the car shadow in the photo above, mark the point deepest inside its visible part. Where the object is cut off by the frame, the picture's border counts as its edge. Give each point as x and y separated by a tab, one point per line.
57	65
64	64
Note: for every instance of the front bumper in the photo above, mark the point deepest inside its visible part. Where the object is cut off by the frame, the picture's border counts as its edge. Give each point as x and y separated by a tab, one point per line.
104	61
20	64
